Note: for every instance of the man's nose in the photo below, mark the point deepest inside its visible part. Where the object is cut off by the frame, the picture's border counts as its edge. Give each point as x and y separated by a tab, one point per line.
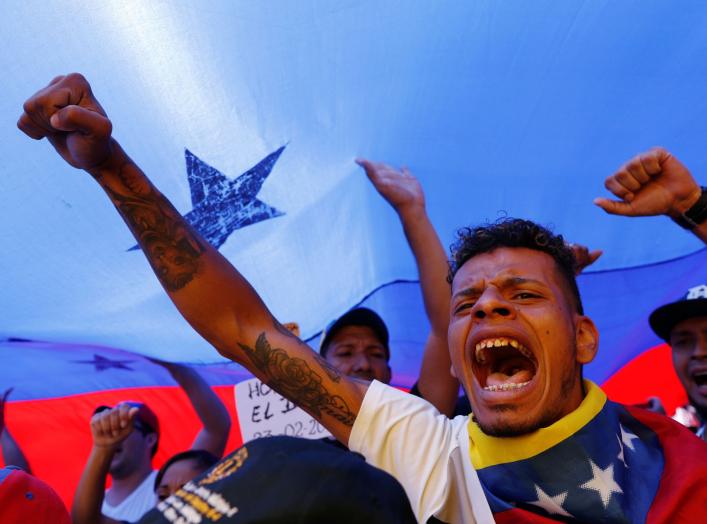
700	347
492	304
362	363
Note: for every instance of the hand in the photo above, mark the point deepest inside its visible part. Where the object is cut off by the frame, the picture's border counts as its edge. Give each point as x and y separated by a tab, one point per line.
112	426
68	115
583	256
3	399
399	188
652	183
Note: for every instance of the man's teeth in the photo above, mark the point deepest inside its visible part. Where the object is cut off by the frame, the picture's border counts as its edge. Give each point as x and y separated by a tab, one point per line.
497	343
506	387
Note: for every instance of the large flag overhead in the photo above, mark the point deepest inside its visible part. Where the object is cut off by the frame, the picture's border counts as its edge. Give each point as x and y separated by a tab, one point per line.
248	116
498	107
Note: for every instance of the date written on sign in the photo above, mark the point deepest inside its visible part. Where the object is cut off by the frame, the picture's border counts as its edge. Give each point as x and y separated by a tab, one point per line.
263	412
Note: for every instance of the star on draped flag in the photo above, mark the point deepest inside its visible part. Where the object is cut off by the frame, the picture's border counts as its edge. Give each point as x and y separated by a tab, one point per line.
602	482
553	505
221	205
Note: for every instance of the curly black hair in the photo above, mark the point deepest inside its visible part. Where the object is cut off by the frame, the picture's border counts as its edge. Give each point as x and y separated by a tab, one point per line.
515	232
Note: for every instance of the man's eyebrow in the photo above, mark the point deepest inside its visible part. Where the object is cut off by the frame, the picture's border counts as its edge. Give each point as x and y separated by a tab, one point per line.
467	292
519	281
682	333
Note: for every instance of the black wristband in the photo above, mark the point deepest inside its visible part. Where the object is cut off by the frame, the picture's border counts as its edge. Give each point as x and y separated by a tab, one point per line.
696	215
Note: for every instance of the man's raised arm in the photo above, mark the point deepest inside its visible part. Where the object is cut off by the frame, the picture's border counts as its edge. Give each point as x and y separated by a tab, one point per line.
404	193
209	292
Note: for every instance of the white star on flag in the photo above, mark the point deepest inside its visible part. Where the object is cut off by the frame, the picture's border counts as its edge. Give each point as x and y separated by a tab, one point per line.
553	505
621	452
627	438
602	482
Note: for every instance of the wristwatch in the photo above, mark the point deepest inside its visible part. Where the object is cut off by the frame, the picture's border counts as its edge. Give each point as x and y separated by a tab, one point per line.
696	215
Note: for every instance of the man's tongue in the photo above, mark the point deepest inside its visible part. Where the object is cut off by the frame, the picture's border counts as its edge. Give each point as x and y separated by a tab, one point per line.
512	371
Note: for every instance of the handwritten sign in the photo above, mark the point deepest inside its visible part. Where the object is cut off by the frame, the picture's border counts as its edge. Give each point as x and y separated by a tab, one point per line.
264	413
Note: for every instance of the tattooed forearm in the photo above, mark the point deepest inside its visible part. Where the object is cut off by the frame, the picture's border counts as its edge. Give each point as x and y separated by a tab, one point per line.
293	378
166	239
333	373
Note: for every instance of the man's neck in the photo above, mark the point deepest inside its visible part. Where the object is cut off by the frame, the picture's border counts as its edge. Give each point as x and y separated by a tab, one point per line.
122	487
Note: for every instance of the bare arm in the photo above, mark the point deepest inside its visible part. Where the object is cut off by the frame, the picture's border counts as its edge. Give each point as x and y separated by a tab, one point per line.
108	429
11	451
211	411
404	193
653	183
208	291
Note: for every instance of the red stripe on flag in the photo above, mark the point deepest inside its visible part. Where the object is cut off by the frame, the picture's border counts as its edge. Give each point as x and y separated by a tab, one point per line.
650	374
55	436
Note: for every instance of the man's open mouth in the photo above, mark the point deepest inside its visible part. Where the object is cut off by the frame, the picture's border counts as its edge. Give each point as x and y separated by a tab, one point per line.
700	378
503	364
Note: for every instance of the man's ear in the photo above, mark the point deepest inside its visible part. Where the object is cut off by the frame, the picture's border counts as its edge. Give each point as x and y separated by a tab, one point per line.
586	339
151	439
453	372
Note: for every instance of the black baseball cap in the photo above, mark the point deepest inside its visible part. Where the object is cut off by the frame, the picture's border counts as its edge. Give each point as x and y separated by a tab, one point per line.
286	480
692	304
360	316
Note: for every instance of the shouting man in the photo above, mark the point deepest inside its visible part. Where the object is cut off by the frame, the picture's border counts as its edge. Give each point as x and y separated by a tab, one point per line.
543	443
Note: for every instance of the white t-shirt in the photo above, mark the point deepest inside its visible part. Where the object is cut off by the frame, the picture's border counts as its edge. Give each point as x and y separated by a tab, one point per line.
135	505
428	454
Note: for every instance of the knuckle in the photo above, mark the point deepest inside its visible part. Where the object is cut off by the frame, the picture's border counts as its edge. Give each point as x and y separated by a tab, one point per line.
76	78
30	105
658	150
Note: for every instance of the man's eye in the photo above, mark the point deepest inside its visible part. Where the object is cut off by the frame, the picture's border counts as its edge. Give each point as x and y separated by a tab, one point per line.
681	343
524	295
462	307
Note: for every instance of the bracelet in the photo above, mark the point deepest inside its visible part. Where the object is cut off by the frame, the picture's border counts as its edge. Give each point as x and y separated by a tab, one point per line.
696	215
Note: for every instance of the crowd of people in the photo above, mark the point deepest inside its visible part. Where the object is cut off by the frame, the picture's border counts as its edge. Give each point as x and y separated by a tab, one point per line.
530	441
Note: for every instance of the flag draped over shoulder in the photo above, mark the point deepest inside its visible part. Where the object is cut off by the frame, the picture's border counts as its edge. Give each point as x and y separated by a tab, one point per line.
603	462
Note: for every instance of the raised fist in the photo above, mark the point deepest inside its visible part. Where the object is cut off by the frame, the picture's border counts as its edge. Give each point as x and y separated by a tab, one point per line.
110	427
652	183
69	116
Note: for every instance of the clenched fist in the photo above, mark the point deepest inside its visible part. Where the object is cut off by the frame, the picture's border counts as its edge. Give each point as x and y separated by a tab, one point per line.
70	117
652	183
110	427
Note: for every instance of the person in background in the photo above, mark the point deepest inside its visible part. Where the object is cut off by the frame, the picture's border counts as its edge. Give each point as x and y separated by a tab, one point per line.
683	325
132	492
110	428
357	345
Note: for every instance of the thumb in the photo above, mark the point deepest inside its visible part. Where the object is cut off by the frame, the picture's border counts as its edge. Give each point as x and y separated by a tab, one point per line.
614	207
76	118
594	255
